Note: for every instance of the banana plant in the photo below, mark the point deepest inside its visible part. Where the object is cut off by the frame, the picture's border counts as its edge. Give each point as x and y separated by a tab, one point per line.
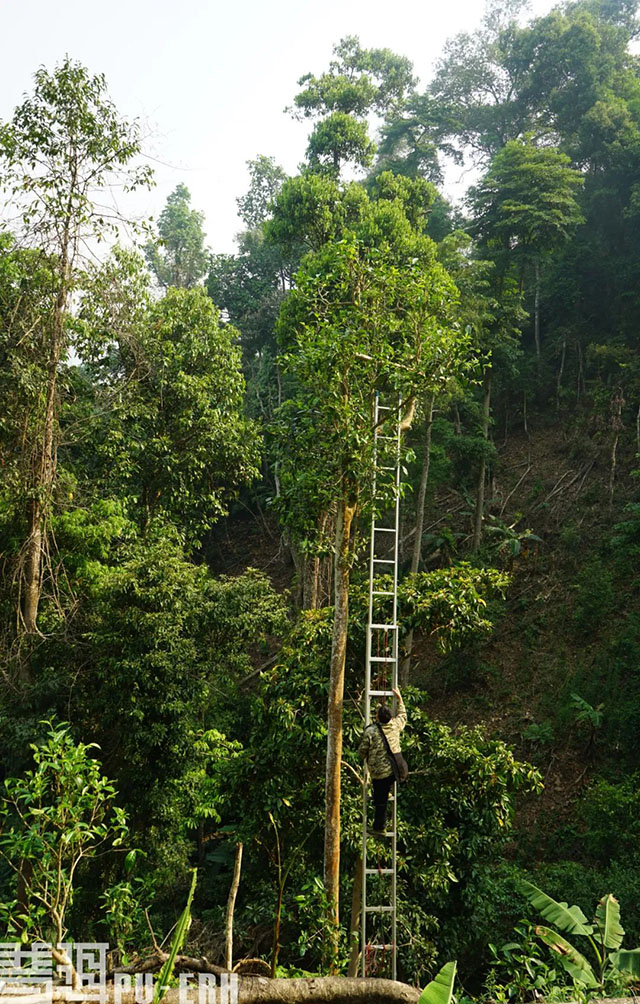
179	938
604	935
440	990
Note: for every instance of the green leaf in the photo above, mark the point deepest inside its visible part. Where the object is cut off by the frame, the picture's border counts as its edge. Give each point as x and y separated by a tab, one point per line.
568	918
570	958
130	860
627	960
608	920
178	941
440	990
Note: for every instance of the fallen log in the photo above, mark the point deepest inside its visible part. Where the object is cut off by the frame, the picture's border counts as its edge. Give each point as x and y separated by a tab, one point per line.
324	990
262	990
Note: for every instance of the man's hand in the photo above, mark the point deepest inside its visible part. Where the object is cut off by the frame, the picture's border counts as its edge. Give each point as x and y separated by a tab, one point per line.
397	693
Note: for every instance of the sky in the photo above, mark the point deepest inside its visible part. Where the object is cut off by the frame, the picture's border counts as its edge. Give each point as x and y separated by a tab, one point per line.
209	79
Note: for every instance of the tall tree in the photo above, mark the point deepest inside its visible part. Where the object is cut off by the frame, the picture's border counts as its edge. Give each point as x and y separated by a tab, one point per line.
169	433
178	257
525	207
266	180
359	82
64	146
359	318
476	86
250	284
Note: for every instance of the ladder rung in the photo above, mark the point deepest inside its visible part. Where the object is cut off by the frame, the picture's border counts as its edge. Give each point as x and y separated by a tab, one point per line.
387	627
384	529
382	947
392	439
382	592
379	909
385	407
386	468
379	871
382	658
380	693
385	561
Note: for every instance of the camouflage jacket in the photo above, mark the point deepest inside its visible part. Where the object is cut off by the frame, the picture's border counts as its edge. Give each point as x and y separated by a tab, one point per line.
372	748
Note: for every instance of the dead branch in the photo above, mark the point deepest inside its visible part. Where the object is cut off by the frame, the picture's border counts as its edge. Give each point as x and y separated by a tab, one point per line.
153	963
233	892
513	490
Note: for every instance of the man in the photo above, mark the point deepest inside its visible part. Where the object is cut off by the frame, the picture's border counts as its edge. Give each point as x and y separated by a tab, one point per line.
373	750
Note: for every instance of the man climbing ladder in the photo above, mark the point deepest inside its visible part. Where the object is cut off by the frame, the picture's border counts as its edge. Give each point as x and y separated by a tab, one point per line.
373	749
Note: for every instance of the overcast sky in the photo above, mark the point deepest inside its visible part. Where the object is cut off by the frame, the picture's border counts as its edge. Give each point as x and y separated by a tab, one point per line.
210	79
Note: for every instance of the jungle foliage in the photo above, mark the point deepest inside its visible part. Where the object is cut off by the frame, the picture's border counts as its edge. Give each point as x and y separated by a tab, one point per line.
158	399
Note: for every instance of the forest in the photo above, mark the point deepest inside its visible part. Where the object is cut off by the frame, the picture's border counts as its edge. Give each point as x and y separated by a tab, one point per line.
187	458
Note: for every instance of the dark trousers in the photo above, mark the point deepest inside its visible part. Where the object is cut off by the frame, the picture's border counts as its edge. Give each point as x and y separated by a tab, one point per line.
381	788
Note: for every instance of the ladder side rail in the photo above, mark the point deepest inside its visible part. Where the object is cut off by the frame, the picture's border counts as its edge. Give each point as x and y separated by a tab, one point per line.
394	874
367	701
369	693
396	653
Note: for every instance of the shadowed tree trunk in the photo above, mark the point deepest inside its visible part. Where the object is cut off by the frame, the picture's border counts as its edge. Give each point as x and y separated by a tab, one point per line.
561	372
486	411
315	570
354	927
311	582
45	460
536	310
617	404
342	562
416	553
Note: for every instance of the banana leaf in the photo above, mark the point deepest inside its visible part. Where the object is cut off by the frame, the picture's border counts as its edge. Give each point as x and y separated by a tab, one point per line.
440	990
179	939
608	920
627	960
570	958
568	918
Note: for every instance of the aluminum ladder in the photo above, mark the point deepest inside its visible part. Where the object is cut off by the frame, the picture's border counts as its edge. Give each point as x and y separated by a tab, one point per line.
378	917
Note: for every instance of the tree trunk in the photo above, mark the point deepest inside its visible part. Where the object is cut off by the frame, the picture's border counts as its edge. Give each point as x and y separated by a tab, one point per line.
617	405
326	582
231	903
334	723
536	311
25	872
479	516
457	423
560	372
580	387
311	582
354	927
298	561
60	956
416	554
33	567
45	461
